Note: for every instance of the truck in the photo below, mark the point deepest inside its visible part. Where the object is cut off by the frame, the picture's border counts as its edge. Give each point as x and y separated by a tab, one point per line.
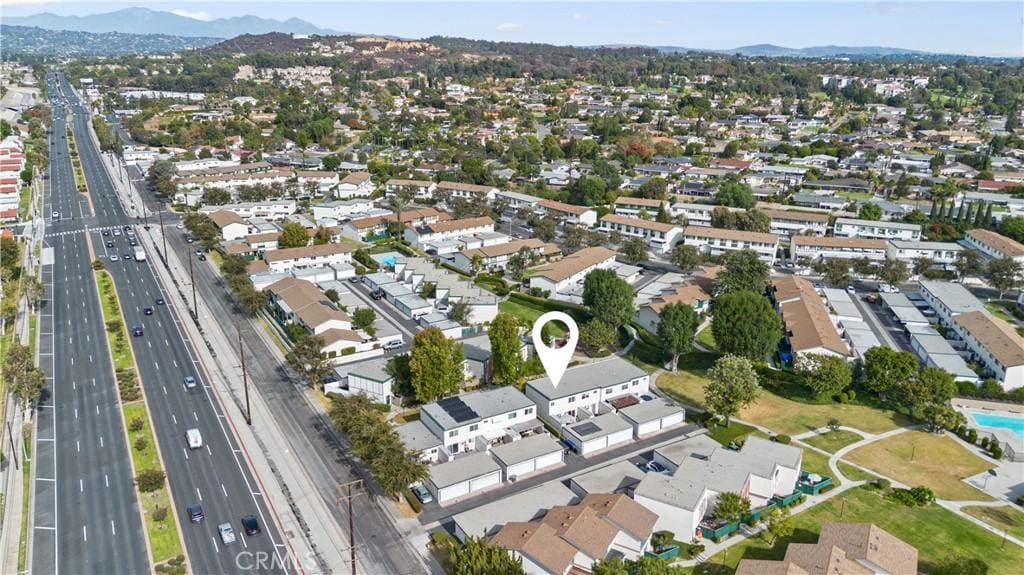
140	254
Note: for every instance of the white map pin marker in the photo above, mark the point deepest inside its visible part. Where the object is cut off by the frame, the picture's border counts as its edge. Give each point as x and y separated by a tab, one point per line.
555	360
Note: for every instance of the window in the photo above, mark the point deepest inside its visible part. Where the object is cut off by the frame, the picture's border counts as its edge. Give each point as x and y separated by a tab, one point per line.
474	427
512	415
453	433
625	386
572	399
528	411
584	396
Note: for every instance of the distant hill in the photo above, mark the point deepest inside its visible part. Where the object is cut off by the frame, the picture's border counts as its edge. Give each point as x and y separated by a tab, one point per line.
146	21
37	41
773	51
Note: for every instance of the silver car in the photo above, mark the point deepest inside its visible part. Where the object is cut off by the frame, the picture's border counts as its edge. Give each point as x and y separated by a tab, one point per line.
227	533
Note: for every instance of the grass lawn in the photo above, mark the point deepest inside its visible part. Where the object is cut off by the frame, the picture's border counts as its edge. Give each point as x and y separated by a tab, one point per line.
922	458
707	339
833	441
528	314
772	411
814	462
26	478
1006	517
32	321
934	531
999	311
853	473
735	430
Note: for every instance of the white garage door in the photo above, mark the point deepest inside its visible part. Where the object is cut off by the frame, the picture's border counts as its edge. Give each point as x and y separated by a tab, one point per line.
519	469
649	427
485	481
550	459
670	420
595	444
453	491
620	437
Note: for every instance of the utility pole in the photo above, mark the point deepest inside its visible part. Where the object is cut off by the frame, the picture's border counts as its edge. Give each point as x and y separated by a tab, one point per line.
245	379
192	278
347	489
14	450
163	235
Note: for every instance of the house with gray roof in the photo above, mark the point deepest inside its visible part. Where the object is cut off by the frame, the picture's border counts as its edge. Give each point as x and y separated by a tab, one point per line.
584	388
473	421
463	477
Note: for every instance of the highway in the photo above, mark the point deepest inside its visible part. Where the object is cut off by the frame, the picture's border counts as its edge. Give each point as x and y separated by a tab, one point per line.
217	475
85	517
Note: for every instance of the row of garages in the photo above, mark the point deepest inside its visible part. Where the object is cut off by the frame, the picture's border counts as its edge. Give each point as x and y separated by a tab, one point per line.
620	427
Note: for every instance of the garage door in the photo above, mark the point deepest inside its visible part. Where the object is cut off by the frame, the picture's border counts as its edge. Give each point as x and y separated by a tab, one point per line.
595	444
548	460
620	437
670	420
648	428
485	481
519	469
453	491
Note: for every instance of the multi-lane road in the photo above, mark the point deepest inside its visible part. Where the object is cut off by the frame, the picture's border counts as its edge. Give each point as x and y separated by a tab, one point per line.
217	476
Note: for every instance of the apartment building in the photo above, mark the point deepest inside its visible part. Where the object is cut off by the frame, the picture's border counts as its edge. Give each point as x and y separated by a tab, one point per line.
297	301
471	421
791	222
715	241
632	207
230	225
649	314
422	235
354	185
867	229
807	325
269	210
815	248
568	213
288	259
571	270
942	253
993	343
341	209
660	237
466	191
584	388
846	548
949	300
419	189
497	256
696	214
995	245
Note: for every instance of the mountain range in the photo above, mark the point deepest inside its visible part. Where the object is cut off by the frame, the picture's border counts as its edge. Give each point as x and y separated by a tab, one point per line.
146	21
70	43
774	51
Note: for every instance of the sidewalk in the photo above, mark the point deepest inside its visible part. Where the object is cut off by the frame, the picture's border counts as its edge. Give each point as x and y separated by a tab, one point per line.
14	492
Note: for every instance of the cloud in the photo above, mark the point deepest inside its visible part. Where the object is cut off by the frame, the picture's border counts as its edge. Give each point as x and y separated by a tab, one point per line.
662	23
509	27
197	15
580	17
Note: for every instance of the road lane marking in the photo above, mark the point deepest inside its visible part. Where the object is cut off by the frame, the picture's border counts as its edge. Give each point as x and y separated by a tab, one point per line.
224	490
85	534
198	493
195	415
174	419
81	486
106	480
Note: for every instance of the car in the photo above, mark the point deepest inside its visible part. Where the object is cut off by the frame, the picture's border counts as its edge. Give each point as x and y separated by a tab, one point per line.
850	290
887	288
180	226
654	467
160	301
442	307
251	525
227	533
376	294
106	233
114	258
353	280
422	494
194	438
871	298
55	215
199	253
127	257
128	229
201	257
110	244
195	513
117	232
132	242
646	397
393	344
190	381
137	331
148	311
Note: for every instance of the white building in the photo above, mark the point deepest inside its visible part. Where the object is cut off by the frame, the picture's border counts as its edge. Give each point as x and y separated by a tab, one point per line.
851	228
285	260
424	234
371	378
942	253
993	343
473	421
995	245
571	270
815	248
568	213
794	222
660	237
271	210
715	241
584	388
356	184
419	189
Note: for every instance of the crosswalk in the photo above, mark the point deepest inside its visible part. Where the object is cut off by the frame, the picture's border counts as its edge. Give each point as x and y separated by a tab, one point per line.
87	229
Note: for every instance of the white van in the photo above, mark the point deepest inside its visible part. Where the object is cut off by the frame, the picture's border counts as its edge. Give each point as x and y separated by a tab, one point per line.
195	439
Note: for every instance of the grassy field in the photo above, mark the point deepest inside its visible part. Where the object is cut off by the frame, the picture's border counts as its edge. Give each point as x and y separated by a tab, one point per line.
921	458
832	441
528	314
934	531
854	474
774	412
707	339
1007	517
814	462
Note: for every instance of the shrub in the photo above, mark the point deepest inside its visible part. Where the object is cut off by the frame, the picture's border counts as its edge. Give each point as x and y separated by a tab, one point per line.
984	442
150	480
140	443
833	424
136	424
842	397
883	484
360	271
851	394
690	550
996	450
972	435
159	514
914	497
414	502
783	439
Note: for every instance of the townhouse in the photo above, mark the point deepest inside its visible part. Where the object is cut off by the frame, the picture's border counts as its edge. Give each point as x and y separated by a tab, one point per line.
649	314
995	245
372	228
993	343
341	209
300	302
372	379
846	548
792	222
319	179
473	421
317	256
271	210
419	189
815	248
949	300
467	191
568	213
571	270
230	225
354	185
428	235
660	237
235	180
807	325
697	214
715	241
497	256
584	388
867	229
516	200
942	253
633	207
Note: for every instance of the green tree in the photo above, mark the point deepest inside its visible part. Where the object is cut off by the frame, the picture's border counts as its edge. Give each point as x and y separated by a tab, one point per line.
870	212
744	271
922	264
593	190
506	350
479	555
968	263
731	507
609	297
611	566
635	250
397	467
836	271
596	335
293	235
826	375
459	312
436	365
1012	227
731	386
307	359
686	257
215	197
676	329
731	148
150	480
322	236
1003	274
736	195
886	369
363	319
398	368
203	228
746	325
653	189
723	218
544	229
518	263
893	271
780	525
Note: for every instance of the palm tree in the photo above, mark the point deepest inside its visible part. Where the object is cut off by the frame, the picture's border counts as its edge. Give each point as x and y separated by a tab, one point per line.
398	203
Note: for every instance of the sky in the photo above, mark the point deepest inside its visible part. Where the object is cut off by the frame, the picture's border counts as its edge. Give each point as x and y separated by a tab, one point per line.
975	28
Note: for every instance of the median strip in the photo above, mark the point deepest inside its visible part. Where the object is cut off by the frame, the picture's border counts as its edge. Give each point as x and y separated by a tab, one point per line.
162	532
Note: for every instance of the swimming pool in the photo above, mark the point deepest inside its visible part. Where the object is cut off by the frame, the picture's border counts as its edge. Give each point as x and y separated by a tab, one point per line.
1013	423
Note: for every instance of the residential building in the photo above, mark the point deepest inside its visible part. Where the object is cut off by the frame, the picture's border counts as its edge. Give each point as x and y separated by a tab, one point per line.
584	388
571	270
472	421
649	314
569	213
660	237
942	253
697	214
995	245
632	207
949	300
317	256
356	184
341	209
715	241
808	327
421	236
300	302
321	180
794	222
497	256
516	200
467	191
371	378
842	549
270	210
419	189
376	227
463	477
867	229
993	343
231	225
815	248
528	455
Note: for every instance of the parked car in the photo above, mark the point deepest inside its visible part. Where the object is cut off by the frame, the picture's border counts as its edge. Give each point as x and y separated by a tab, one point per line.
654	467
850	290
110	244
442	307
159	301
354	279
227	533
195	513
377	294
393	344
251	525
871	298
106	233
422	494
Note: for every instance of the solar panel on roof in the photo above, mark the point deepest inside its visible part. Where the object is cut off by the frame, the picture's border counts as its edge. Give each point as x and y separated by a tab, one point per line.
586	428
457	409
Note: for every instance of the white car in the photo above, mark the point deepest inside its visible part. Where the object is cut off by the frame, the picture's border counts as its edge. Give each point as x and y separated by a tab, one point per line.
850	290
114	258
180	226
227	533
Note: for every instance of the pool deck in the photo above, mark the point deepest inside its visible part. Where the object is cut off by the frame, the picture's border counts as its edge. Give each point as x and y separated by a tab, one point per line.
963	404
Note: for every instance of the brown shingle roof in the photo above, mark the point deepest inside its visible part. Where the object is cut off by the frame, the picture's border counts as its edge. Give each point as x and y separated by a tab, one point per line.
788	288
842	549
624	513
582	528
539	542
222	218
688	294
511	248
1000	243
356	178
574	263
738	235
809	326
998	337
631	201
639	223
306	252
563	207
464	187
833	242
454	225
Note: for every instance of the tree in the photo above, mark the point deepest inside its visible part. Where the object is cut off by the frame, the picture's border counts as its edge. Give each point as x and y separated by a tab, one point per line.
827	375
746	325
723	218
922	264
780	525
398	368
593	190
397	467
1003	274
322	236
544	229
731	507
506	350
150	480
870	212
203	228
293	235
436	365
28	386
968	263
33	289
893	271
653	189
479	555
886	369
731	386
686	257
957	563
836	271
609	297
596	335
635	250
611	566
736	195
676	329
307	359
363	319
1012	227
215	197
744	271
864	267
459	312
730	149
931	386
476	264
518	263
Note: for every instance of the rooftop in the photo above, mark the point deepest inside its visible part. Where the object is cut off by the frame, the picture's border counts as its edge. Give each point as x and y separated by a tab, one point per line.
574	263
996	335
588	376
460	410
462	469
525	449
